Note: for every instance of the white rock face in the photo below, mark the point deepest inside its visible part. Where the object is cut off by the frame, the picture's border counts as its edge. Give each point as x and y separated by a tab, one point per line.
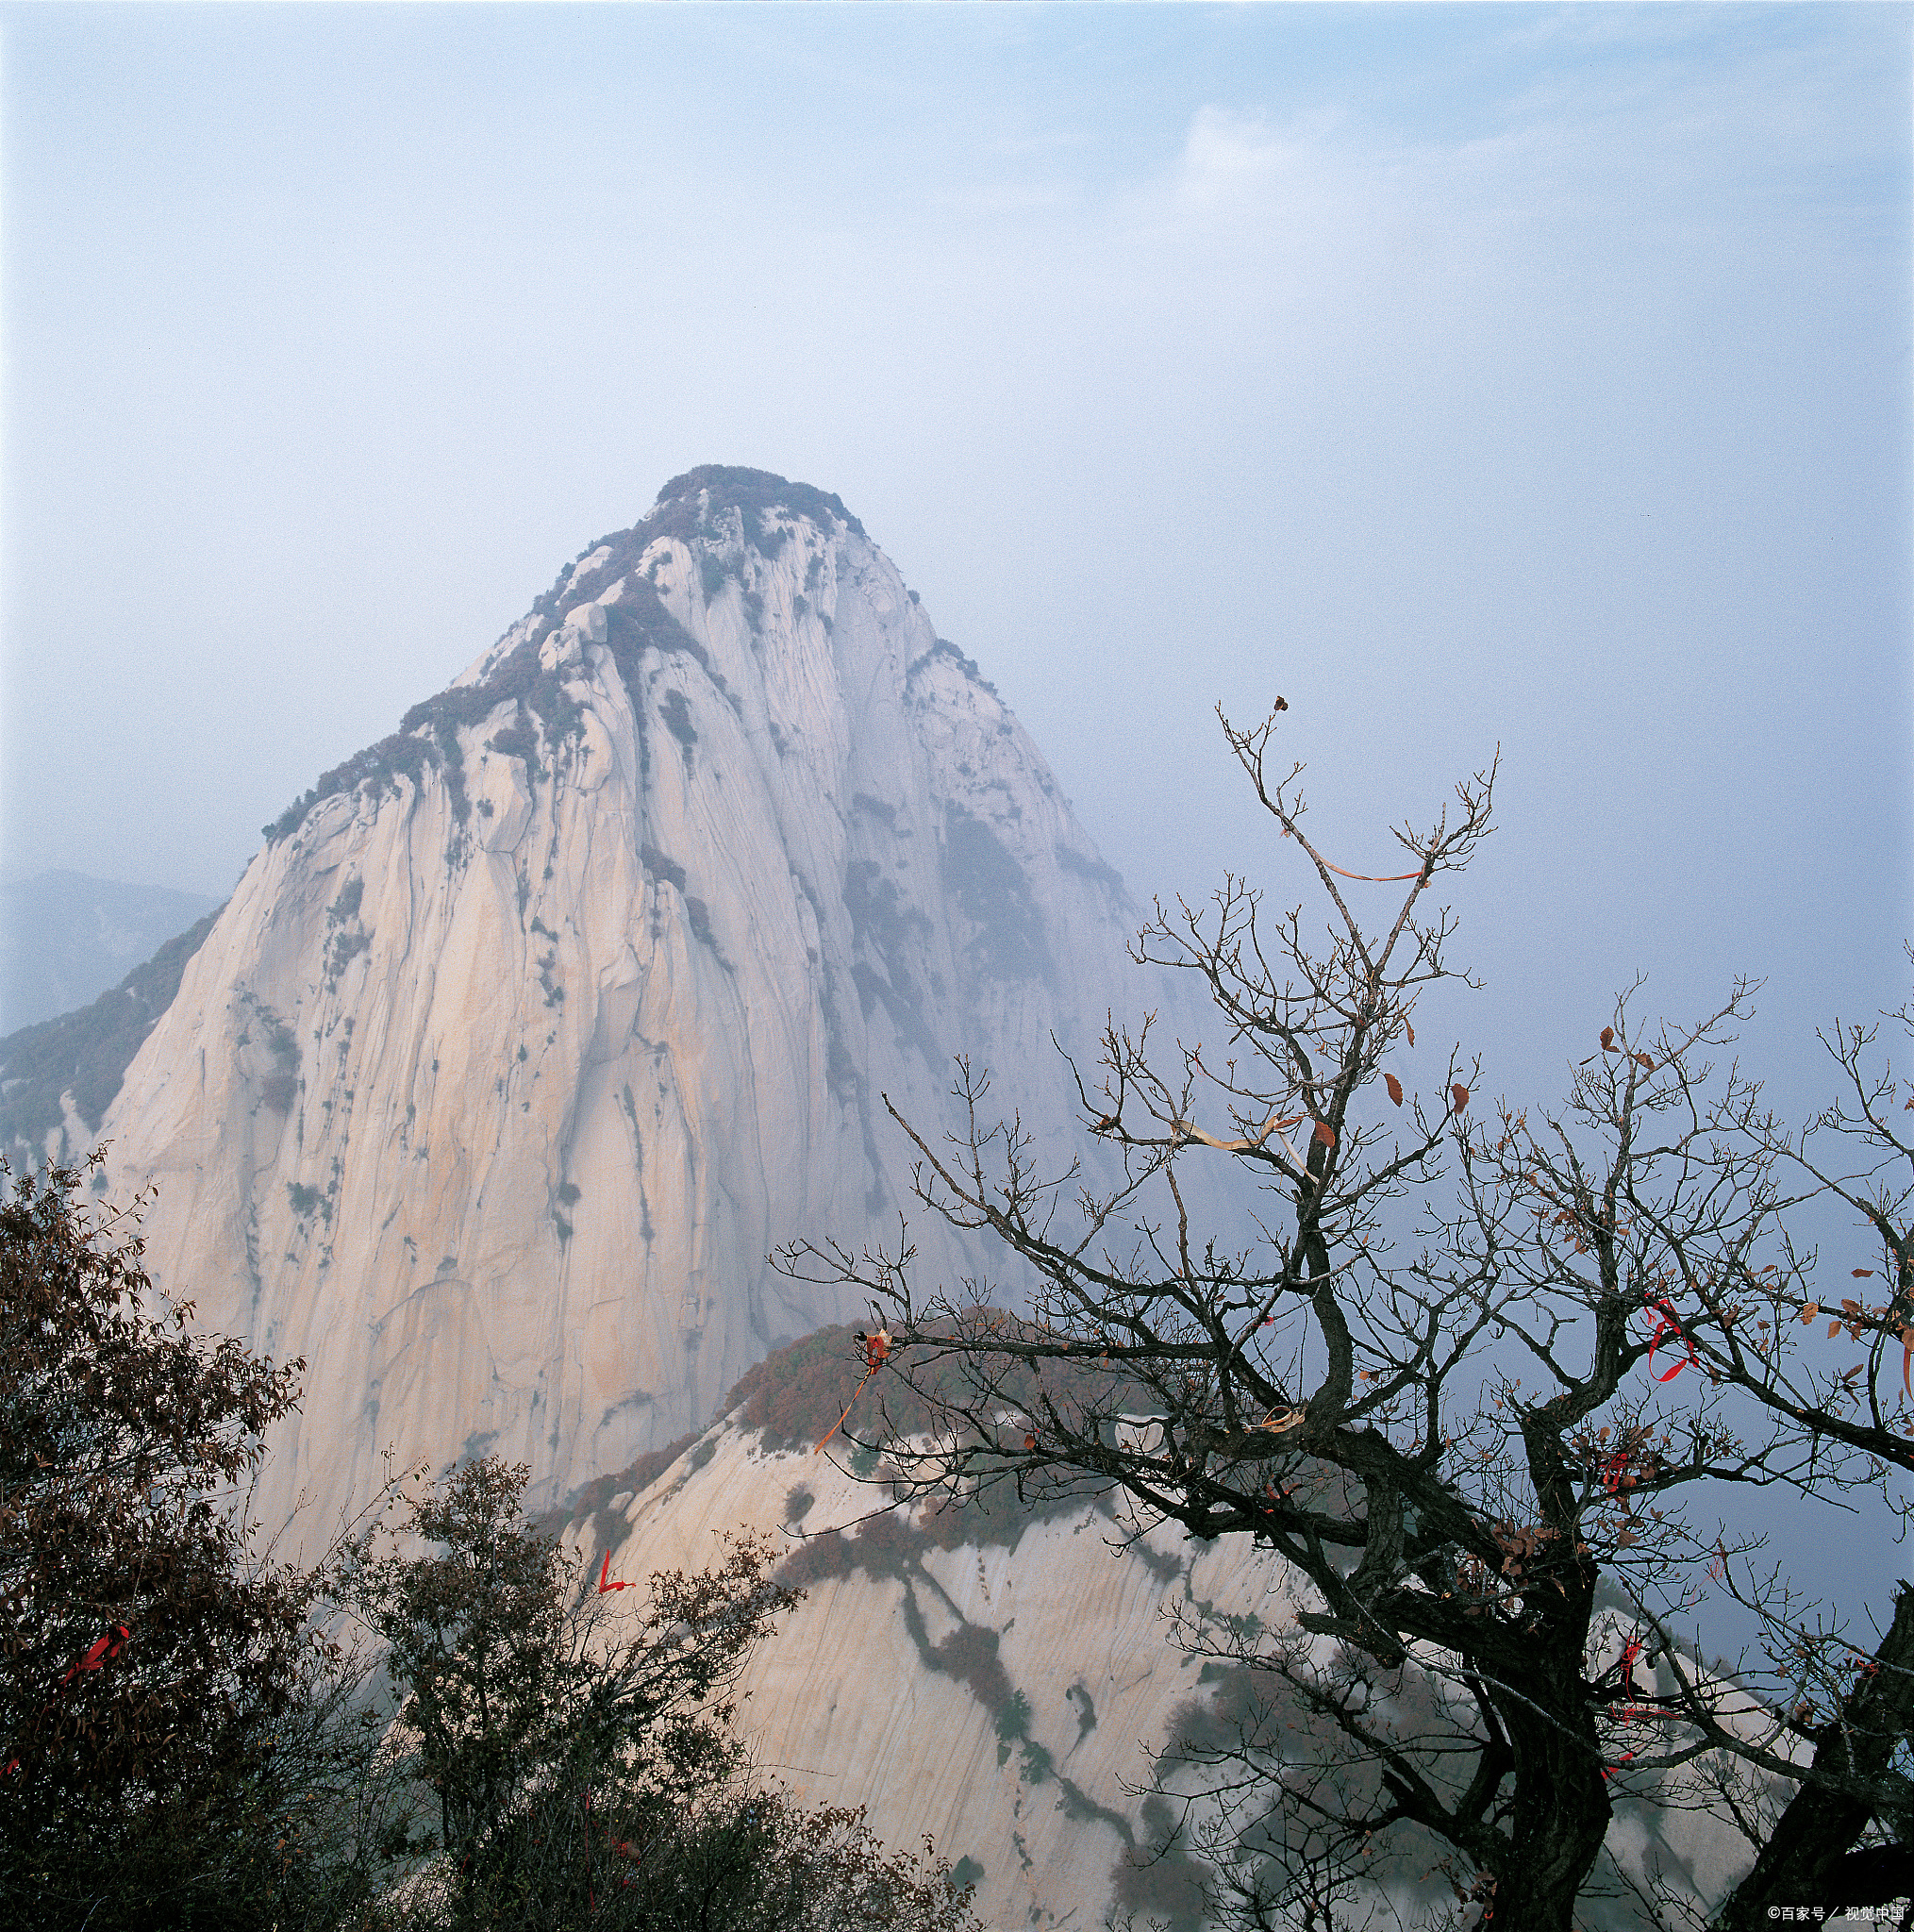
515	1051
854	1701
845	1704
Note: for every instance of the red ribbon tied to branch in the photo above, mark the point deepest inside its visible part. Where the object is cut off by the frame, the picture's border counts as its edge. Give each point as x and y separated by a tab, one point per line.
606	1587
107	1646
1634	1713
111	1646
1666	1324
876	1349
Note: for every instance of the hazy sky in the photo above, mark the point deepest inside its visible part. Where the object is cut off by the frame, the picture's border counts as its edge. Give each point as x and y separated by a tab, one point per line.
1531	377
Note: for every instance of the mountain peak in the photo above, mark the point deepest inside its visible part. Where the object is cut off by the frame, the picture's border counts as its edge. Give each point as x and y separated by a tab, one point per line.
533	1028
694	509
728	486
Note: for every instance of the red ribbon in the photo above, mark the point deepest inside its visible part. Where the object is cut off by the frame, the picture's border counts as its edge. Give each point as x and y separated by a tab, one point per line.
1375	878
1666	1324
105	1648
876	1347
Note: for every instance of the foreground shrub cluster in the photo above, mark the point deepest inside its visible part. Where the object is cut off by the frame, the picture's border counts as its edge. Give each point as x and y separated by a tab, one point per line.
442	1723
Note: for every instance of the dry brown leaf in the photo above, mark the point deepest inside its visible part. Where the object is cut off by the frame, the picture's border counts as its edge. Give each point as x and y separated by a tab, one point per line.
1396	1088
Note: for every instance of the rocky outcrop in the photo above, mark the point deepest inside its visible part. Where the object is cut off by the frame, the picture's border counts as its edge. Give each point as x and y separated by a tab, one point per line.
1018	1681
532	1028
1004	1688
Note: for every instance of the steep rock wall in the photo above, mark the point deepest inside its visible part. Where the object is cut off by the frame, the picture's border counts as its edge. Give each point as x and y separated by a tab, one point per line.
1006	1695
533	1028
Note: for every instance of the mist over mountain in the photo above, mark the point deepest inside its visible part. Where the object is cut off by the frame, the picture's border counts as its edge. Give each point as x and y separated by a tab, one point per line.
533	1027
58	1077
66	938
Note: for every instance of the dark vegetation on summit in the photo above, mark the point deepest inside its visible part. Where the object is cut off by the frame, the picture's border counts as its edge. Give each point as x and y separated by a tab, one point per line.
751	493
690	509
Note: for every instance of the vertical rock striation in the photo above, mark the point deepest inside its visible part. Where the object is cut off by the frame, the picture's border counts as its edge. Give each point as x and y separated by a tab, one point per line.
532	1028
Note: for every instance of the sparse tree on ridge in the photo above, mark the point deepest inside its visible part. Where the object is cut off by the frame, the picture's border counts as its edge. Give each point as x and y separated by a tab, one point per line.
568	1760
1482	1442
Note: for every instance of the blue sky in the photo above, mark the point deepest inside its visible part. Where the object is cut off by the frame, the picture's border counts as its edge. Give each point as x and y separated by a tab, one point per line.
1531	377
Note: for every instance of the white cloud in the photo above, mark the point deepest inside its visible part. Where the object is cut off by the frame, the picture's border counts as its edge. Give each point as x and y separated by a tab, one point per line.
1230	158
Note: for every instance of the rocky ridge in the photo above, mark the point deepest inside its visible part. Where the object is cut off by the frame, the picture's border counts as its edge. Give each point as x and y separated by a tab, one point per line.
1010	1678
1001	1682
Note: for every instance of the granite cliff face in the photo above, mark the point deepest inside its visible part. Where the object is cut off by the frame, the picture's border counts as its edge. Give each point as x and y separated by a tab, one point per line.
1005	1691
532	1028
1017	1681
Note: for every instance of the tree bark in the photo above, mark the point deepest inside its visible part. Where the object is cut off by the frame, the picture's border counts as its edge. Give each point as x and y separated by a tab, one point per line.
1559	1814
1810	1860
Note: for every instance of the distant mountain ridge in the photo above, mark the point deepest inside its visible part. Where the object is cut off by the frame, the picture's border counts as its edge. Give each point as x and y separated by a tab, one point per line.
533	1026
66	937
58	1077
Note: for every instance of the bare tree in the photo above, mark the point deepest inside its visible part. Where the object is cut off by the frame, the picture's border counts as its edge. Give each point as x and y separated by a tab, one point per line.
1452	1374
1841	1695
